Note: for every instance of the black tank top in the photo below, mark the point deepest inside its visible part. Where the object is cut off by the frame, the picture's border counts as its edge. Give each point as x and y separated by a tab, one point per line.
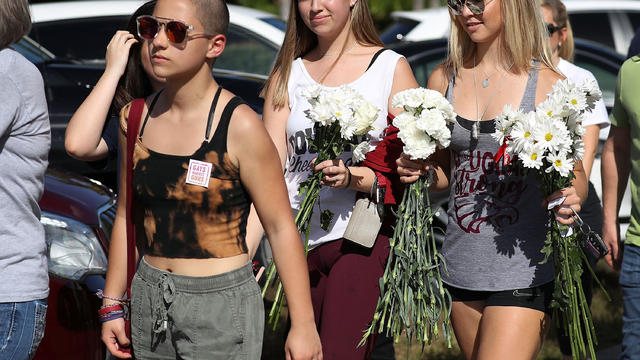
182	220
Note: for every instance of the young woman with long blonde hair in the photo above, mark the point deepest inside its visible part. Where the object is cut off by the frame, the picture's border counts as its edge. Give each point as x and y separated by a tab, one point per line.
501	292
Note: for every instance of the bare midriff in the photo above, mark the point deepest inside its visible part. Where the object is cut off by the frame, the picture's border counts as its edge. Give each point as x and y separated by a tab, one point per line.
197	267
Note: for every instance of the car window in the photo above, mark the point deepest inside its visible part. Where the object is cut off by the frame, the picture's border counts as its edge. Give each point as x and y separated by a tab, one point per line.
275	22
247	53
593	27
396	31
78	39
634	17
32	51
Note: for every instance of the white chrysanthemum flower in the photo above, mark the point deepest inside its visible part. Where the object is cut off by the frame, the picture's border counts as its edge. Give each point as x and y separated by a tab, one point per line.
321	112
592	92
365	115
560	163
504	123
410	98
574	124
430	120
553	106
417	143
577	101
522	133
312	92
578	149
401	120
532	157
361	151
423	123
347	122
551	134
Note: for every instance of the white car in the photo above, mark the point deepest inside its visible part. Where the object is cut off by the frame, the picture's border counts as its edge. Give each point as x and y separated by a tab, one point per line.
611	23
80	31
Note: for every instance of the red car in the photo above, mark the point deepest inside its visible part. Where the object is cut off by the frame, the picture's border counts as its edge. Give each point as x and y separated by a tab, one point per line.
77	214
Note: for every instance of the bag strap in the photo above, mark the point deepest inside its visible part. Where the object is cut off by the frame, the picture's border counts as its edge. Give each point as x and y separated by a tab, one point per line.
133	124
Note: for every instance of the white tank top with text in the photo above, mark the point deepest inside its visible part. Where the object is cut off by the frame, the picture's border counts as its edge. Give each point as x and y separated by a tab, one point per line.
375	86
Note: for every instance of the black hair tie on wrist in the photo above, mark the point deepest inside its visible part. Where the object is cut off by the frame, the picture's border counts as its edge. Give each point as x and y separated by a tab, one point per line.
348	172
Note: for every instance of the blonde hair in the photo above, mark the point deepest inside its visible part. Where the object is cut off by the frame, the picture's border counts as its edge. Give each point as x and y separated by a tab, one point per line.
560	16
299	40
517	46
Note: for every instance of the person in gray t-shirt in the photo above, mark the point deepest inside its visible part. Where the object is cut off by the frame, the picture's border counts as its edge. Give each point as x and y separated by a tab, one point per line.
496	220
24	145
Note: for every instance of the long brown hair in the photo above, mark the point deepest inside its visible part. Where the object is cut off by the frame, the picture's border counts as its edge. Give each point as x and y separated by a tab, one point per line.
299	40
135	82
15	21
559	12
523	37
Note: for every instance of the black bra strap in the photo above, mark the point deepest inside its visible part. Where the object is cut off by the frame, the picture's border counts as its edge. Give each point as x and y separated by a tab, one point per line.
153	103
214	103
375	56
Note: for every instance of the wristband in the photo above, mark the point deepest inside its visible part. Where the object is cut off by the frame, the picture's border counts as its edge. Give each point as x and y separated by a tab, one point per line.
101	295
105	309
348	172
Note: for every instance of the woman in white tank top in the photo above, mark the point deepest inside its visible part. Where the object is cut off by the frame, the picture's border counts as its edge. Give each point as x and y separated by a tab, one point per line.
332	43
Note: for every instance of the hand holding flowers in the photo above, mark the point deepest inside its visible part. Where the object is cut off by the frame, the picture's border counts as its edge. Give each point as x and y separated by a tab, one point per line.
412	296
549	142
338	115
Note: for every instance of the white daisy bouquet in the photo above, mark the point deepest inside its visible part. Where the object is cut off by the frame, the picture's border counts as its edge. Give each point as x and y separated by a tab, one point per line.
549	142
412	296
339	115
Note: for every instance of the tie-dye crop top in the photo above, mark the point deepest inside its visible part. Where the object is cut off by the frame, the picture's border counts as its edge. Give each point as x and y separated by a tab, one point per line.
182	220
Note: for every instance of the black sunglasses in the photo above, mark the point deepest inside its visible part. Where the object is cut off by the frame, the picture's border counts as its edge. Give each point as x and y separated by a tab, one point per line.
475	6
553	28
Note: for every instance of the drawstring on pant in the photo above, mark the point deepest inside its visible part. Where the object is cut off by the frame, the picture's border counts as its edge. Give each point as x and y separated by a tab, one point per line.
166	292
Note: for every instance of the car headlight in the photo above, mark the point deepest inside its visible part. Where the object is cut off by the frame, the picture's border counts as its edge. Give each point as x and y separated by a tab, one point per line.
74	249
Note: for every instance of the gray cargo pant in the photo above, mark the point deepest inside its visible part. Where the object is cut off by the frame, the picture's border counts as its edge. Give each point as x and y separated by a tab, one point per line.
184	317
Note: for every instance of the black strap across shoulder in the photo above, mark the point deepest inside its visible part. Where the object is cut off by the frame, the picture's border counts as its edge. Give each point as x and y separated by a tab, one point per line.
153	103
375	56
212	110
214	103
220	136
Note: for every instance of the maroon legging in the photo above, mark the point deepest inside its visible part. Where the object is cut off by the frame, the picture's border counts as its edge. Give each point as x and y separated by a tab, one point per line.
344	291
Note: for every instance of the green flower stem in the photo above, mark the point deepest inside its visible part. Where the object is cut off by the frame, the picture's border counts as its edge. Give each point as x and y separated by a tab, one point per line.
329	145
412	299
569	302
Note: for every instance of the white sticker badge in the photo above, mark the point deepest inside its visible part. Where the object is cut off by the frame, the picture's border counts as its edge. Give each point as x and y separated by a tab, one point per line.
199	173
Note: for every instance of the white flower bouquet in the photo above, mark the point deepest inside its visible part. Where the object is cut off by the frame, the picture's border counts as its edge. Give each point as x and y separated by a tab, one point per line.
549	142
338	116
412	295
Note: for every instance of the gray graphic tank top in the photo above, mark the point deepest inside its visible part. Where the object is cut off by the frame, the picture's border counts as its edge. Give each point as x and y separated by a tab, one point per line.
496	223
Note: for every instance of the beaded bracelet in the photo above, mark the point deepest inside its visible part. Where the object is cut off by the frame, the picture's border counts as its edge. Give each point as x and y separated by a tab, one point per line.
101	295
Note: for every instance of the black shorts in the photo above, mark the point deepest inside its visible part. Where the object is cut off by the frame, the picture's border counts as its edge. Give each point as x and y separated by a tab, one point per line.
537	298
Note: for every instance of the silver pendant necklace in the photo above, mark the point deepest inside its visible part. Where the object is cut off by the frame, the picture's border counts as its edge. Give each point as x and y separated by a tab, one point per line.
475	128
485	82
